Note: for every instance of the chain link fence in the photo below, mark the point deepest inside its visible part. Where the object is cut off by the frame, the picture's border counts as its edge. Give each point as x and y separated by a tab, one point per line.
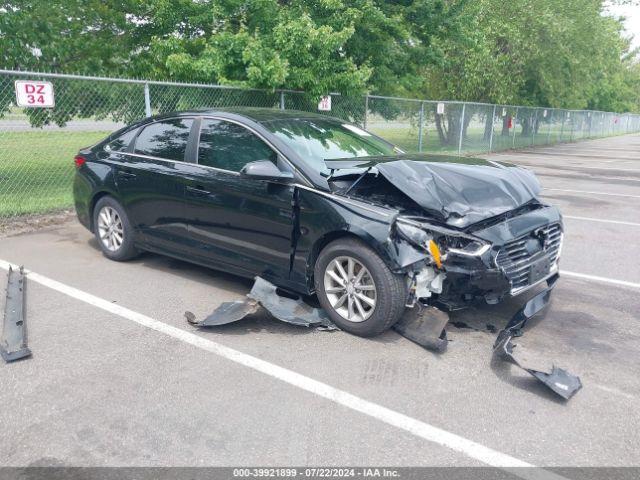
37	145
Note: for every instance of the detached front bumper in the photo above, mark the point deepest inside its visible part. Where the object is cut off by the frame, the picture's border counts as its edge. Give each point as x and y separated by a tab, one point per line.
464	286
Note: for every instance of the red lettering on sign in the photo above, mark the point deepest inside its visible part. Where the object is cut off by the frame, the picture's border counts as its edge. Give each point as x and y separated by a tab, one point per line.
29	88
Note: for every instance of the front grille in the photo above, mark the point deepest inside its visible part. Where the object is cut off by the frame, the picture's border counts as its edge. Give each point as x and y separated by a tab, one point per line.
515	257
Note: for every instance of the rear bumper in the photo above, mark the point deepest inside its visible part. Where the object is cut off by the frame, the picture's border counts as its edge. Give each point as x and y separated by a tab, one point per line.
82	200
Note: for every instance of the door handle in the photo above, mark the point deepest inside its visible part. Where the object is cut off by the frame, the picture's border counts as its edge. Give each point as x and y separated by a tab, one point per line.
198	191
125	174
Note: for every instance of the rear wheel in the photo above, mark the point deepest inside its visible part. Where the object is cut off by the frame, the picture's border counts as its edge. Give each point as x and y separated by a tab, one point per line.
357	289
112	230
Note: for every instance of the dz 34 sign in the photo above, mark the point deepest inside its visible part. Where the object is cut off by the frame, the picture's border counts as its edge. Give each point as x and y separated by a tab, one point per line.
34	94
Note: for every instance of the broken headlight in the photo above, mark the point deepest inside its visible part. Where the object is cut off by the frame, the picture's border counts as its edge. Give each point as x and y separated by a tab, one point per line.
415	235
468	247
439	241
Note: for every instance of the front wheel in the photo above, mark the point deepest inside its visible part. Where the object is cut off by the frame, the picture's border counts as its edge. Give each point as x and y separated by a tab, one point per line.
357	289
112	230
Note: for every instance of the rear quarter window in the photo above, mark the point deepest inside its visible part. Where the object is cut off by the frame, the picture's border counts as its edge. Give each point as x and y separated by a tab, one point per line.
121	143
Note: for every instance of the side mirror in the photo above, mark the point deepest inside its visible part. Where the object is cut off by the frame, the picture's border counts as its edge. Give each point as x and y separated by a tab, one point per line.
265	170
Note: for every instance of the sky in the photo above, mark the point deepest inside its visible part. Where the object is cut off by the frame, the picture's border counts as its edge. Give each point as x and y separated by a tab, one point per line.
632	24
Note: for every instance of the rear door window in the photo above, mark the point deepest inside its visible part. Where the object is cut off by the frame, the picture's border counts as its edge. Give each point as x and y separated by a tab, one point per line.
166	139
230	146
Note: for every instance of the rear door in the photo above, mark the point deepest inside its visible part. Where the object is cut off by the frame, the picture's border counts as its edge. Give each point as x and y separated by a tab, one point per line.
243	223
151	186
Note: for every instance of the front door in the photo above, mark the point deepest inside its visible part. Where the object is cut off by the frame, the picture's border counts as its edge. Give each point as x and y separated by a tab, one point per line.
242	223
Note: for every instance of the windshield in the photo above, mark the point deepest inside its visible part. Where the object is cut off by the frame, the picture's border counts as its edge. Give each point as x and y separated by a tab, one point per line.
317	140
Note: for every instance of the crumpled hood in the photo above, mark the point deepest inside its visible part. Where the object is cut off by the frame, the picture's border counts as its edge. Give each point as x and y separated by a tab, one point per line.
458	190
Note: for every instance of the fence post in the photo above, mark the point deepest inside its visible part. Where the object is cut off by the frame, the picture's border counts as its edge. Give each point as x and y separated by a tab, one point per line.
366	111
464	105
550	125
535	126
626	125
147	100
515	124
493	118
420	127
571	131
281	100
589	119
564	117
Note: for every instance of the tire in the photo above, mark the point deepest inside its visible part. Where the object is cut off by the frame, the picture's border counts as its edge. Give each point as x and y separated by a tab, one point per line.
107	238
389	296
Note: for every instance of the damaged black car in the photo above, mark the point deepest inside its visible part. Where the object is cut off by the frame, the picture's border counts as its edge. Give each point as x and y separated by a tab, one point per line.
314	204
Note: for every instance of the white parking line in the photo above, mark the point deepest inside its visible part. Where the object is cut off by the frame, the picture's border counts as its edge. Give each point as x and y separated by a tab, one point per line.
595	278
613	390
587	176
578	155
560	167
515	159
601	220
411	425
593	193
595	168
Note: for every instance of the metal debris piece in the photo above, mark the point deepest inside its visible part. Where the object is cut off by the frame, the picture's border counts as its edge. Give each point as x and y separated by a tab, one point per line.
424	326
287	309
228	312
559	380
13	344
265	295
531	308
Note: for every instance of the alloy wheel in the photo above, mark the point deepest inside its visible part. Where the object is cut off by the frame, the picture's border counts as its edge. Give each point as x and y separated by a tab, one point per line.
350	289
110	228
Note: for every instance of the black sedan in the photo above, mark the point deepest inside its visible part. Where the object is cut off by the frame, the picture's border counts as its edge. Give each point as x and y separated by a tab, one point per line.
317	205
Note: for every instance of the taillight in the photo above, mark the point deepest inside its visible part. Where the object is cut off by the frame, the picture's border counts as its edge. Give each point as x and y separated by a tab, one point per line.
79	160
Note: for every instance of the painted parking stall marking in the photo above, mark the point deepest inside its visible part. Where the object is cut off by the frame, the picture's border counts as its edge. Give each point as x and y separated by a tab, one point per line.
592	193
602	220
595	278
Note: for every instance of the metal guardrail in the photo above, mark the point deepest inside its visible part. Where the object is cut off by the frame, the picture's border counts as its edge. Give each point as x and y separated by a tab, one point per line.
37	145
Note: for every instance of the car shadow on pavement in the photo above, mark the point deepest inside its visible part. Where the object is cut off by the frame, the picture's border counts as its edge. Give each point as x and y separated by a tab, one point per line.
190	271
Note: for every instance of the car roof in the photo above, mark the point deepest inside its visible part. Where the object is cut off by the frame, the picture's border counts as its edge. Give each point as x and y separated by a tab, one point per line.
260	115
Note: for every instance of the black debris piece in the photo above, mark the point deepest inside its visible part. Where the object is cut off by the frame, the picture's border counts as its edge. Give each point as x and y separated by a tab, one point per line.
559	380
13	344
425	326
265	295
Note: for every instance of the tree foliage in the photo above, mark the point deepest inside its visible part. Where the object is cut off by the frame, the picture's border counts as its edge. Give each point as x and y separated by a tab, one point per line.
527	52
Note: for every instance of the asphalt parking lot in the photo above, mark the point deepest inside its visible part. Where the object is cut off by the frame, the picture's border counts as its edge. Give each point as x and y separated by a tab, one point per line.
113	381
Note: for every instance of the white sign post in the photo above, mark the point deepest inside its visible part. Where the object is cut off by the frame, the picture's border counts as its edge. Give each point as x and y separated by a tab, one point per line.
325	104
440	109
34	94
